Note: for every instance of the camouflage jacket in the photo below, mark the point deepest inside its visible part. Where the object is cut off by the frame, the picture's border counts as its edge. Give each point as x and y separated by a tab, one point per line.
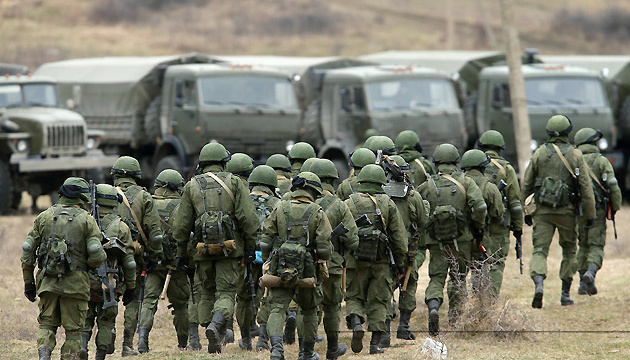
167	203
420	167
608	186
501	169
414	211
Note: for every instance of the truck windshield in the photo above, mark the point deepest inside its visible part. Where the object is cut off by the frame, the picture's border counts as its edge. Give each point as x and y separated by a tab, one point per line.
573	92
406	94
247	91
31	94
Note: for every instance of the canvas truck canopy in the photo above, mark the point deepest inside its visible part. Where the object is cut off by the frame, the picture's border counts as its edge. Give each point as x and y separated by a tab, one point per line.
13	69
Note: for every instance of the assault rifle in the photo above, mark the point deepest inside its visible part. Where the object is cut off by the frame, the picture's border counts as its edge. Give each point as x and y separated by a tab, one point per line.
250	283
518	247
143	282
339	230
104	270
502	184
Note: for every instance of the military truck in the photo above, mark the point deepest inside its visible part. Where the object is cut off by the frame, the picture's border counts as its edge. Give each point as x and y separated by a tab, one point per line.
162	110
41	144
13	69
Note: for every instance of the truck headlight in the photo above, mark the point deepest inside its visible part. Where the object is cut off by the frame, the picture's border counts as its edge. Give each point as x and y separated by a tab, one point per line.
90	144
21	146
602	144
533	145
289	145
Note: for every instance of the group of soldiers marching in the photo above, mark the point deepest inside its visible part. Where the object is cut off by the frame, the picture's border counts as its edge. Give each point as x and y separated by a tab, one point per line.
278	247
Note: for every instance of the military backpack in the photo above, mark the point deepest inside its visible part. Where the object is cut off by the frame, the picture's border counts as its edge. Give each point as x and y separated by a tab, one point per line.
56	253
552	189
166	208
372	235
447	221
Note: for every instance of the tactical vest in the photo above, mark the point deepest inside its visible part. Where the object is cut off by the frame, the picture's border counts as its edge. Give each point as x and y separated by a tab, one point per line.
554	186
447	221
263	209
61	251
291	258
372	237
115	250
166	208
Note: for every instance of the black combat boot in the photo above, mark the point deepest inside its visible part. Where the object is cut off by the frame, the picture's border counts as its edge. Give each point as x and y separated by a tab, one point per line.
289	327
277	351
386	337
44	353
354	323
334	348
589	279
263	338
300	348
214	331
375	341
143	340
309	351
434	318
111	346
227	337
404	329
245	342
127	347
254	330
83	352
537	302
193	337
100	354
565	298
582	287
182	341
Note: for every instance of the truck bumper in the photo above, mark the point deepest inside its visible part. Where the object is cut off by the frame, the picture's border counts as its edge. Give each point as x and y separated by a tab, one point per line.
93	160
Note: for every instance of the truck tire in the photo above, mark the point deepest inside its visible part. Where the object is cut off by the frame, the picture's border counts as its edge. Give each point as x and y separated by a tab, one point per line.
170	162
6	189
152	120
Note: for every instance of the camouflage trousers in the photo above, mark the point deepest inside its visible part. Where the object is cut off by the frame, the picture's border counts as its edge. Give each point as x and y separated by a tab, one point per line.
57	310
308	299
544	228
193	302
446	259
591	243
220	280
105	321
244	311
330	309
131	309
178	293
369	292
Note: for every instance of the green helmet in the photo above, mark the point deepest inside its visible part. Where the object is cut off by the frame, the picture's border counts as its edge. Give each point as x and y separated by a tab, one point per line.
240	164
325	168
301	151
306	165
106	195
587	135
372	173
491	139
361	157
445	154
75	188
279	162
559	125
169	178
369	133
408	139
213	152
382	143
402	164
263	175
307	179
474	158
127	166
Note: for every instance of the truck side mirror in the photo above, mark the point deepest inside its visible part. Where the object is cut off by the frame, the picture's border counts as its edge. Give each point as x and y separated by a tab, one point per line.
496	96
347	99
179	94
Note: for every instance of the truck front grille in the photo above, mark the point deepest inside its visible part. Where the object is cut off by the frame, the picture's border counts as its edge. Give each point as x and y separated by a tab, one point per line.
66	140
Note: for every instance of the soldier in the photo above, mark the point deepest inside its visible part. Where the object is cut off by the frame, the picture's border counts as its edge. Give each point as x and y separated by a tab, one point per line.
338	214
240	165
217	206
282	166
119	271
168	187
414	211
473	163
559	182
139	213
457	216
379	259
64	242
358	159
383	143
607	202
500	170
298	154
295	242
263	182
366	135
408	145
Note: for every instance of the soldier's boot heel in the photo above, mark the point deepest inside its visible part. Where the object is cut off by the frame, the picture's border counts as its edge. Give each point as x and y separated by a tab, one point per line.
565	298
356	344
227	337
375	341
112	344
434	318
300	348
262	343
404	330
44	353
182	341
386	337
100	354
582	288
213	333
589	280
289	327
334	348
127	347
83	351
254	330
143	340
277	350
194	342
309	351
537	302
245	342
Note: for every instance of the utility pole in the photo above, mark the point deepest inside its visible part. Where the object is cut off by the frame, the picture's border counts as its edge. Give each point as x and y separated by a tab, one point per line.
522	132
450	25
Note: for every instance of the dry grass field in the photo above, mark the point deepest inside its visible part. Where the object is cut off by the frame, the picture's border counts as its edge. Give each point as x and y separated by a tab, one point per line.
595	327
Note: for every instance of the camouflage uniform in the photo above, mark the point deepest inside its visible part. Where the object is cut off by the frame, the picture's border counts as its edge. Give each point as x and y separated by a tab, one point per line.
64	290
358	159
409	148
282	166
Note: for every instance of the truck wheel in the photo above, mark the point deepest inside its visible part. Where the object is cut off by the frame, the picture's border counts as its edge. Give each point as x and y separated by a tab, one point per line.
169	162
152	120
6	189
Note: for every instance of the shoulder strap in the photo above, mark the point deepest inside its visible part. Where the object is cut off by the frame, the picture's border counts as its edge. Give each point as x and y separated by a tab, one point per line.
497	164
327	200
223	185
133	214
451	179
592	175
424	171
378	210
564	160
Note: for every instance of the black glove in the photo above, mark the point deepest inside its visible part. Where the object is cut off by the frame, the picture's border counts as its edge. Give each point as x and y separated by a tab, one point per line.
478	235
517	233
151	266
250	256
589	224
181	263
30	292
128	296
400	270
528	220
